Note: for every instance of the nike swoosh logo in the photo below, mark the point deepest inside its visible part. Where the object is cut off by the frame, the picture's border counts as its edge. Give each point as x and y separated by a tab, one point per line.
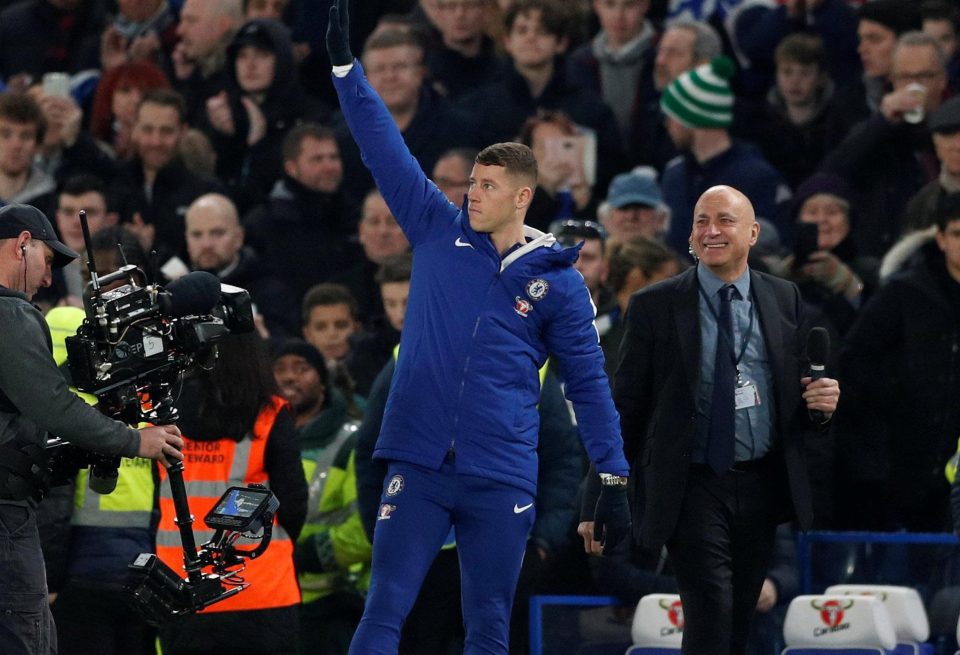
519	510
462	244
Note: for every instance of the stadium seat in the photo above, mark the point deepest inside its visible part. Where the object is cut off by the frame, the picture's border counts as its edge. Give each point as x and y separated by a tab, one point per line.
837	624
657	625
907	614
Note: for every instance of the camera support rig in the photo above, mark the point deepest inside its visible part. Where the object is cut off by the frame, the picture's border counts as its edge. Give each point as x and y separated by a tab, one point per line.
131	352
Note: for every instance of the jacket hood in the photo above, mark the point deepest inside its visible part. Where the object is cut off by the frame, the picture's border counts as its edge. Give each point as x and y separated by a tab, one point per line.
272	36
324	427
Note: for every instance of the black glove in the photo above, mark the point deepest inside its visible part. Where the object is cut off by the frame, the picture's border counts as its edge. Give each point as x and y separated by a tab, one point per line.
611	519
338	33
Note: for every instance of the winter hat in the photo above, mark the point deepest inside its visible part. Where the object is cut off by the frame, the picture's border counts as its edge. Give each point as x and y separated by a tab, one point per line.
898	16
701	97
818	183
638	187
301	348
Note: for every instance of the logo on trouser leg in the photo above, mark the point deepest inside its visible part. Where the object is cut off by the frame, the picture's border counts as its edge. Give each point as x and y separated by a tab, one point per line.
395	485
385	511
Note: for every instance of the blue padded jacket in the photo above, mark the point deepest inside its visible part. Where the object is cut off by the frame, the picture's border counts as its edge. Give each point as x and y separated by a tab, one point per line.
478	327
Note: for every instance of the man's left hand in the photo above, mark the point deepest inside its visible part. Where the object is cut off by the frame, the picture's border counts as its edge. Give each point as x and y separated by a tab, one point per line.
611	519
821	395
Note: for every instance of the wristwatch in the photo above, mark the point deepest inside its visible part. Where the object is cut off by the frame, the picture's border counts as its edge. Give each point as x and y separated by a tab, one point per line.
610	480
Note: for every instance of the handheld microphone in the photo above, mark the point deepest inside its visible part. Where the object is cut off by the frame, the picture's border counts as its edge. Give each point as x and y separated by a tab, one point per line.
818	351
194	293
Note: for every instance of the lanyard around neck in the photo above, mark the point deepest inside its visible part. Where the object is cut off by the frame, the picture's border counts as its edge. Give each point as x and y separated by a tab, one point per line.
746	335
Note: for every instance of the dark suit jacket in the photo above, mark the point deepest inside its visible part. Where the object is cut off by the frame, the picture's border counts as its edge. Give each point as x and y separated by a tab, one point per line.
655	389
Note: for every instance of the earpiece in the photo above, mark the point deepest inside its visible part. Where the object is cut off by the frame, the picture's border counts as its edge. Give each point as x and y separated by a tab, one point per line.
23	249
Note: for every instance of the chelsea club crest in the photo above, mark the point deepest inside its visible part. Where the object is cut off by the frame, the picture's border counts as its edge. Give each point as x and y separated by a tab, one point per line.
537	289
395	485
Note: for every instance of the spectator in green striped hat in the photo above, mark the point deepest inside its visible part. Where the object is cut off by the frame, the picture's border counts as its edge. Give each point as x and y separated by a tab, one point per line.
701	97
698	111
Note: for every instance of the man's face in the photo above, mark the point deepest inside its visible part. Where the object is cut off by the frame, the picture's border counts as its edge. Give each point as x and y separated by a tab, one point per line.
591	264
798	82
213	239
947	145
621	20
949	242
138	10
460	21
634	220
201	28
68	217
451	174
255	69
156	135
943	32
680	134
493	198
396	74
318	166
329	328
299	383
529	43
724	229
828	213
876	48
18	145
37	267
379	233
266	9
918	64
395	296
674	56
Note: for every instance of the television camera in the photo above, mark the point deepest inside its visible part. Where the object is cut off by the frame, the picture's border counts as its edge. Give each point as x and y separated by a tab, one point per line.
135	344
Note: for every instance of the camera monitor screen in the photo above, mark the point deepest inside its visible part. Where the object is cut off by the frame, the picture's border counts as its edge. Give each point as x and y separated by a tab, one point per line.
239	507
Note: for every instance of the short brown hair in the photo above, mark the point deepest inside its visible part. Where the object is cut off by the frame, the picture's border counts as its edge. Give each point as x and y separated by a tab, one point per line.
516	158
546	117
293	142
555	19
398	268
637	252
21	108
165	98
803	49
394	38
325	295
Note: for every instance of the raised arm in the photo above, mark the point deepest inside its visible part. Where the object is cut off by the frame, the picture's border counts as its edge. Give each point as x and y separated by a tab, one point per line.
419	206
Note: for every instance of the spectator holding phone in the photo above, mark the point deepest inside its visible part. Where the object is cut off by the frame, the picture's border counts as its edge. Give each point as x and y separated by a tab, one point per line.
833	278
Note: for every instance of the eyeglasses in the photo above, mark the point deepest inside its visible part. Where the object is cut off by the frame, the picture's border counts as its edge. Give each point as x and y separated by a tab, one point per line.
580	229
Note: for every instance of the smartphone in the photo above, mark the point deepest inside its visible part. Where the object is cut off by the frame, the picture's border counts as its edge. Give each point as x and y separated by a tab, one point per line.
805	243
56	85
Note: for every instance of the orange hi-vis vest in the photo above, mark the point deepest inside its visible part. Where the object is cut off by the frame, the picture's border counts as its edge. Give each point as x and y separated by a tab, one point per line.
210	467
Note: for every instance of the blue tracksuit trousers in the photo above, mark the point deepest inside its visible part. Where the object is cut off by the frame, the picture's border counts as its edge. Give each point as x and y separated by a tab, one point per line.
418	506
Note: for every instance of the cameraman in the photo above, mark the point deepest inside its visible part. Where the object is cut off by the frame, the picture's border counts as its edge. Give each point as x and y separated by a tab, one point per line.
34	400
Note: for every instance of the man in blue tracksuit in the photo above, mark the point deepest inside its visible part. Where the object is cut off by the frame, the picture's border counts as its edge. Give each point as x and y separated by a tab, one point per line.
489	300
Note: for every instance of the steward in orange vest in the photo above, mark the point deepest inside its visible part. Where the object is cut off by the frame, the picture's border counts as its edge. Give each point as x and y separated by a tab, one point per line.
223	448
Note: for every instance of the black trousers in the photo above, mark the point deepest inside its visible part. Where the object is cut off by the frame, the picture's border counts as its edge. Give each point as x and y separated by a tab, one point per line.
26	624
720	552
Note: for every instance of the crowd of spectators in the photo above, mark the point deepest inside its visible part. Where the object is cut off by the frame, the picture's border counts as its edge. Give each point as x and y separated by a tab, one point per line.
205	135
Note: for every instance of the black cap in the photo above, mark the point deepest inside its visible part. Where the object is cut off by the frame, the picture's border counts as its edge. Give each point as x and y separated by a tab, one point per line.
254	33
898	16
301	348
14	219
946	118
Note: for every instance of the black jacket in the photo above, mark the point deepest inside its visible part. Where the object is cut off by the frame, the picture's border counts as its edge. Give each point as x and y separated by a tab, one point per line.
273	299
249	171
303	236
901	368
173	190
36	38
656	386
